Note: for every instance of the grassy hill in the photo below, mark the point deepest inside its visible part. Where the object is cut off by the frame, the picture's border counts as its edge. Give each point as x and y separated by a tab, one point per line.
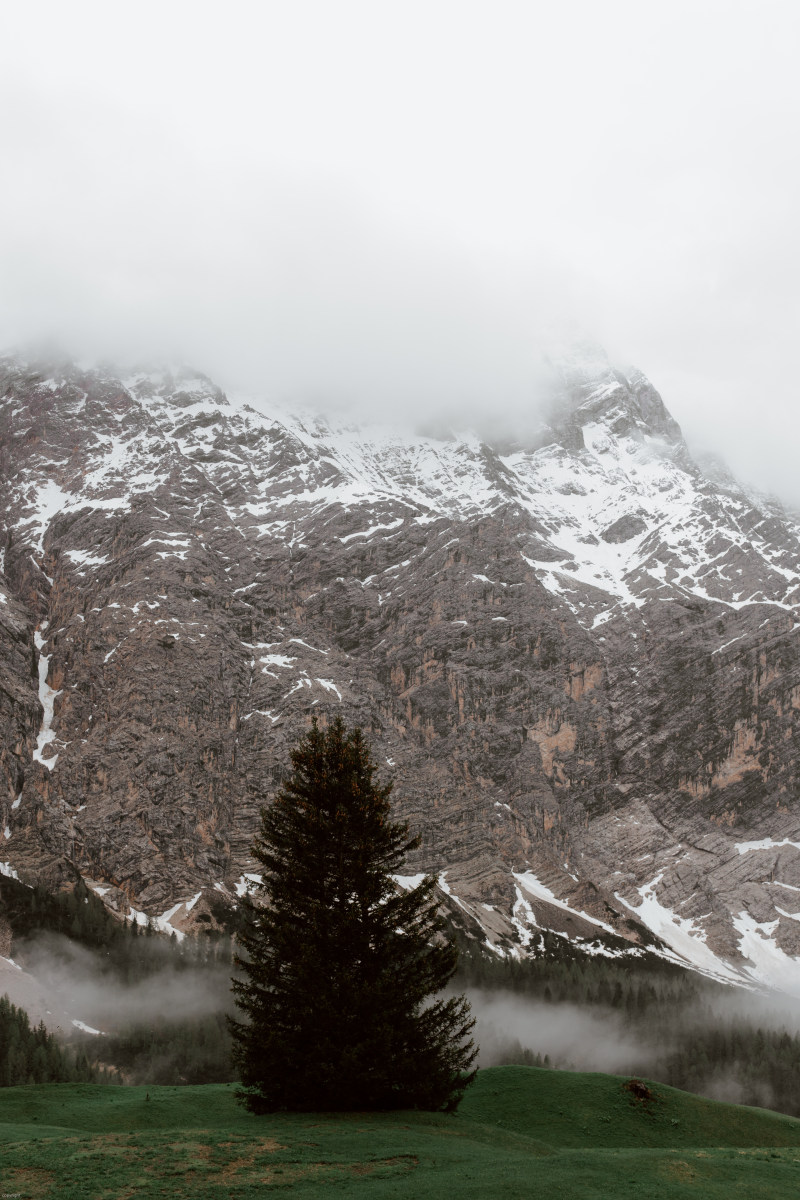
520	1132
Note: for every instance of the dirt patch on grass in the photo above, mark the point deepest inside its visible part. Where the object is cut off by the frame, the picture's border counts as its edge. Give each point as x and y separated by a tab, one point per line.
121	1167
243	1166
247	1170
196	1149
268	1145
639	1090
679	1169
27	1182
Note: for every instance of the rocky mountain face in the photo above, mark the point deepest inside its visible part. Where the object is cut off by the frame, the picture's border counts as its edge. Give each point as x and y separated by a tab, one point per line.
575	653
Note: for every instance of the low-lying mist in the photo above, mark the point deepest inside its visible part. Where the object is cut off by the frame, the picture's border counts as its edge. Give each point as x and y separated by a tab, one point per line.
727	1044
80	982
162	1008
570	1036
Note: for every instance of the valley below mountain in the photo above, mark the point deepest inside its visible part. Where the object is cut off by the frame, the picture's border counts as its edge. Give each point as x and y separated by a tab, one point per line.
574	650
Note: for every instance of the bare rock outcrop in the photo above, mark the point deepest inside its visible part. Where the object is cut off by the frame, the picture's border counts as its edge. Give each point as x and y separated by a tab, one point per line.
576	656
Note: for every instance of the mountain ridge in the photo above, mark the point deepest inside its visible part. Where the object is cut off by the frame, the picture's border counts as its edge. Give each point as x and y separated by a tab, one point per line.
576	654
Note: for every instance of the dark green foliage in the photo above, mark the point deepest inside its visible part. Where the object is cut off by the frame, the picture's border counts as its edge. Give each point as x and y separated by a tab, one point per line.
339	970
196	1050
673	1014
77	914
740	1061
29	1054
123	950
174	1048
561	971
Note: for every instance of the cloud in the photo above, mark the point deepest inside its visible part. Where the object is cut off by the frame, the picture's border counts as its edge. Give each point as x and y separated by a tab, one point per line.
398	205
575	1038
270	282
82	986
668	1038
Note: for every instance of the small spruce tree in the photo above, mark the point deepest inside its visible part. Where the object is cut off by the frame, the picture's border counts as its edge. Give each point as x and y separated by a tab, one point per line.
340	973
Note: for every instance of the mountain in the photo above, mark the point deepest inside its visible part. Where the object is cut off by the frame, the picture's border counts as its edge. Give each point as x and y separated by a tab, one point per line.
573	648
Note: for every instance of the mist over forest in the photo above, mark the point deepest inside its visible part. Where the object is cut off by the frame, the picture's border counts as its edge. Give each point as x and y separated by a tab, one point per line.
161	1006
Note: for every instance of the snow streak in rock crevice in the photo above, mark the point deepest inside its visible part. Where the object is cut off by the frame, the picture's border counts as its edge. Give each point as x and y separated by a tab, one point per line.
47	696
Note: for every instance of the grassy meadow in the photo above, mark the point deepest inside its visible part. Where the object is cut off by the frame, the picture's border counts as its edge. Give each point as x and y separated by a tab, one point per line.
520	1132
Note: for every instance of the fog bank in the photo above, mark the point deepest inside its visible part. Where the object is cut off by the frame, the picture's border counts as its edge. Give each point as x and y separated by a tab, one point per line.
87	991
395	205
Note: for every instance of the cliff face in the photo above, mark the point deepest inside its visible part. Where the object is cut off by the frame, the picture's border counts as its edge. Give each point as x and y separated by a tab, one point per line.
576	654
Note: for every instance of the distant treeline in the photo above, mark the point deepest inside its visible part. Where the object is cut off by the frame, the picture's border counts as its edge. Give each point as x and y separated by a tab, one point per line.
163	1051
560	972
672	1010
129	952
738	1061
29	1054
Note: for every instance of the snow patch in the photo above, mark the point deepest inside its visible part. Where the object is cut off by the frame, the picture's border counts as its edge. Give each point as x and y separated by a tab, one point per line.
522	918
47	698
540	891
368	533
765	844
84	559
164	922
277	660
316	649
770	966
247	883
681	934
330	686
262	712
84	1028
448	891
408	881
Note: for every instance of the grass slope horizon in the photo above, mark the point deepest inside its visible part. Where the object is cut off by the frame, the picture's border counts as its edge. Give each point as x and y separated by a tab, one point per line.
581	1136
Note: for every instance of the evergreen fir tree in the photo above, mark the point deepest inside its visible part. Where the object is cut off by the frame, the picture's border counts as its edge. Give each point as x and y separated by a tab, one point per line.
339	971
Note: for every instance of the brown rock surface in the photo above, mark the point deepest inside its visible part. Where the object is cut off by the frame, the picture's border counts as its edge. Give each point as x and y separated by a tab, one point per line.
578	659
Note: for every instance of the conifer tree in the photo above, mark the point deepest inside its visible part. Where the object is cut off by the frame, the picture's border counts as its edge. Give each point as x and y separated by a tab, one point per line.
340	972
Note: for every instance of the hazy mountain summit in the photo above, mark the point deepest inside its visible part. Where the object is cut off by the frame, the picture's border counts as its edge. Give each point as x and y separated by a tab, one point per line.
572	645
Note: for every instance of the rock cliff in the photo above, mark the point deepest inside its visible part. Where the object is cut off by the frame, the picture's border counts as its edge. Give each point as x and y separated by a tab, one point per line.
574	651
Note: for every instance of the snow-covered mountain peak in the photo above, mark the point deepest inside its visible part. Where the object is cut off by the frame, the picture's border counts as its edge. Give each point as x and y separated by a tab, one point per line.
626	404
618	513
573	647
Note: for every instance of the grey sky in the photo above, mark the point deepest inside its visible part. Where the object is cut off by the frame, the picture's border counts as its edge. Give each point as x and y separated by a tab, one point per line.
398	203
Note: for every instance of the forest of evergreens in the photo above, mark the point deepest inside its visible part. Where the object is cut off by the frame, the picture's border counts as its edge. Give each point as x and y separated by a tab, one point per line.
29	1054
191	1050
124	949
166	1047
697	1039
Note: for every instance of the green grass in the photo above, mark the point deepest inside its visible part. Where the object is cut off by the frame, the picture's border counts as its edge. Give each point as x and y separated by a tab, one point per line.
520	1132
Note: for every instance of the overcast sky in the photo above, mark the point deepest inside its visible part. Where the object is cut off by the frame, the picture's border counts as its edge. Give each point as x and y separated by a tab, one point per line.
399	203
